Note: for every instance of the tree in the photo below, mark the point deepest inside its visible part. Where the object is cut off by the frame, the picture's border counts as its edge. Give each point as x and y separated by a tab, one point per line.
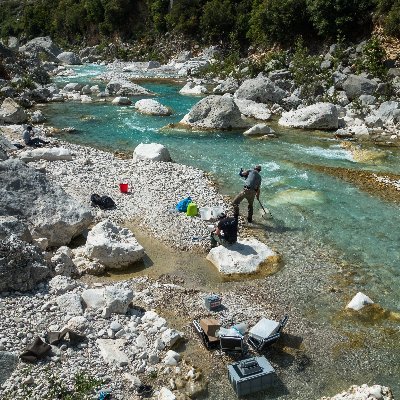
331	18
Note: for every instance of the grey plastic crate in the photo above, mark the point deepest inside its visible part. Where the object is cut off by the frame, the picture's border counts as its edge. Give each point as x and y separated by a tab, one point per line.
251	375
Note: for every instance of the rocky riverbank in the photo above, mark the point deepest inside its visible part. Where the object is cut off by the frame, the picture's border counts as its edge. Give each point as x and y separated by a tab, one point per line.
323	350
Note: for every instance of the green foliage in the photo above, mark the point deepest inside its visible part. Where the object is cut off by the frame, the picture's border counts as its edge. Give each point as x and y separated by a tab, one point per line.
277	21
373	59
390	11
26	82
217	20
271	61
184	17
343	17
307	72
158	10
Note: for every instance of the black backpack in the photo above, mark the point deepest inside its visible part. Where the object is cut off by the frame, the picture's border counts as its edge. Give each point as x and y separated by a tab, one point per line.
104	202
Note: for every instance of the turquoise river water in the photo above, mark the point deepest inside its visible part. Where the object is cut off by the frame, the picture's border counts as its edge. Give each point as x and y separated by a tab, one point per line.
364	228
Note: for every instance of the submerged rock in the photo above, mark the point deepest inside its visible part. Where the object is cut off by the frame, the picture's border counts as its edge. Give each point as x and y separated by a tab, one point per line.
259	130
215	112
121	87
297	197
246	256
122	101
316	116
151	152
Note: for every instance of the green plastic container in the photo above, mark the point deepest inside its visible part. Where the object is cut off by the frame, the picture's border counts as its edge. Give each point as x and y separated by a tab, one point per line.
191	210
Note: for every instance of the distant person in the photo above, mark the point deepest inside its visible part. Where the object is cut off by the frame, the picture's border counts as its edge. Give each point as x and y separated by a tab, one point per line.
189	72
251	189
30	141
225	232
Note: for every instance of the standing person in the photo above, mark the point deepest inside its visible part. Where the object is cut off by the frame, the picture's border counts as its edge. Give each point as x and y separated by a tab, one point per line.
29	141
251	189
225	232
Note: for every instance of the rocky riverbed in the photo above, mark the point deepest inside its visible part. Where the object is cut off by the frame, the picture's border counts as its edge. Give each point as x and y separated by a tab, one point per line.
318	344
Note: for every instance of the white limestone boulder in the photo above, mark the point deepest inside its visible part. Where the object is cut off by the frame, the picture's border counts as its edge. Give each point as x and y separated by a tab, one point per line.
215	112
151	152
152	107
69	58
111	353
122	101
260	90
322	116
364	392
70	303
193	89
117	299
37	117
62	261
12	113
259	130
61	284
170	337
46	153
246	256
165	394
94	298
251	109
112	246
359	301
229	85
123	87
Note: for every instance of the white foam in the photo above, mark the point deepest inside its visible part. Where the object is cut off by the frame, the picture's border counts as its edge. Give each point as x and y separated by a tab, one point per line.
332	153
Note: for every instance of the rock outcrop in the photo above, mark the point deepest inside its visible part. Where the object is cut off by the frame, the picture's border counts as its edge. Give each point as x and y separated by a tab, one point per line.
246	256
49	212
22	265
151	152
317	116
152	107
260	90
69	58
113	246
12	113
215	112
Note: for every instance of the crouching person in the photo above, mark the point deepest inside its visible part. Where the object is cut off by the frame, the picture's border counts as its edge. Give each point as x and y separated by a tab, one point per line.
226	231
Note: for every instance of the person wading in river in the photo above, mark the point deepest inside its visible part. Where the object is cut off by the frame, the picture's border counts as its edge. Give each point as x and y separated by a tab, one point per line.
250	190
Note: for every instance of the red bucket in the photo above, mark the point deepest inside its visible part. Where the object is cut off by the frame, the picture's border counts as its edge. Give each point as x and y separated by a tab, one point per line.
123	187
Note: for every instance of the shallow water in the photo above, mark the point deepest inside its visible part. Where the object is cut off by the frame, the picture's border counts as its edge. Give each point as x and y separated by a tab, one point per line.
364	228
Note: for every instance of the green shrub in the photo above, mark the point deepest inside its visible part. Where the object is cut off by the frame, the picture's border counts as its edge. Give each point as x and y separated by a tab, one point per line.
373	59
278	21
184	17
307	73
343	17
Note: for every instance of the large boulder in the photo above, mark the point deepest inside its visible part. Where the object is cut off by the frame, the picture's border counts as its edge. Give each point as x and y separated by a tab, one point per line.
215	112
10	225
12	113
117	298
122	101
230	85
246	256
69	58
113	246
46	153
316	116
122	87
260	90
356	85
152	107
45	43
193	89
254	110
388	112
49	212
22	265
151	152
